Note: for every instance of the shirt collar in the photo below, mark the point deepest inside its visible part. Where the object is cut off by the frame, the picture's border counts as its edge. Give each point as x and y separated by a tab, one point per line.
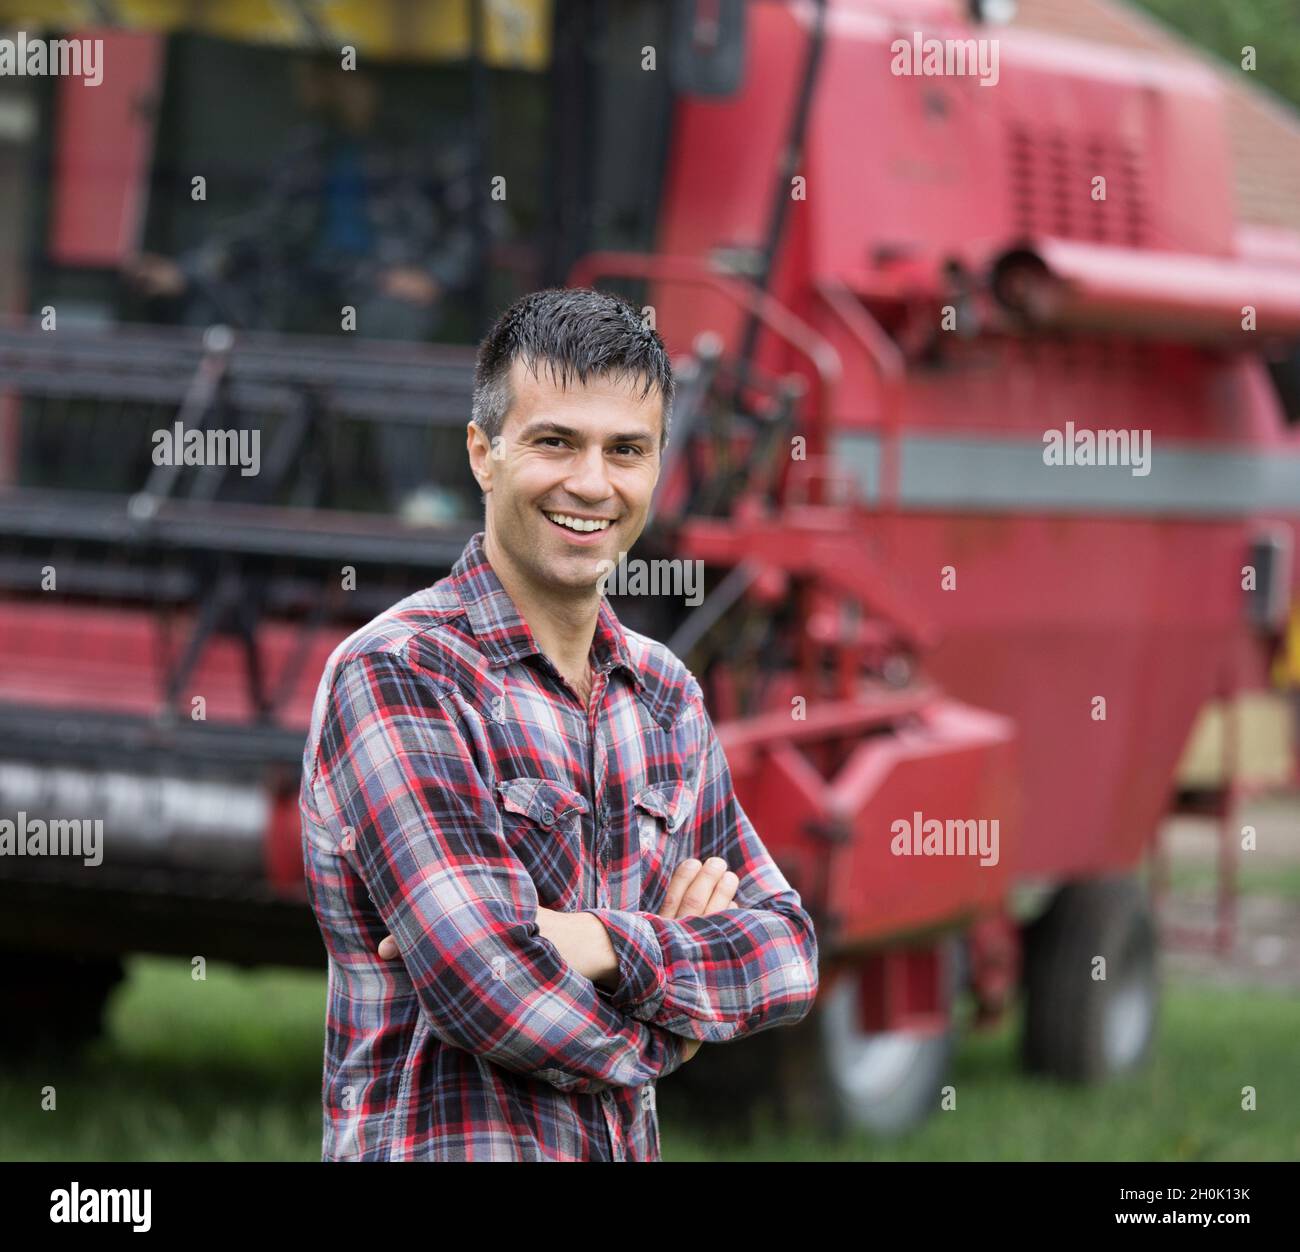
502	633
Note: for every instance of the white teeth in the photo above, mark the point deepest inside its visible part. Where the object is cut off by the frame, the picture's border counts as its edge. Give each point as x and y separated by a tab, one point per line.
578	523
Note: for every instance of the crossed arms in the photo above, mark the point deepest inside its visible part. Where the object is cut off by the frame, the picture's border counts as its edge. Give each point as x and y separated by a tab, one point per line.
495	972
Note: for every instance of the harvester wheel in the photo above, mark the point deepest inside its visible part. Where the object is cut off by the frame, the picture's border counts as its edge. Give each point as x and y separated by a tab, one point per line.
1078	1025
54	1002
887	1083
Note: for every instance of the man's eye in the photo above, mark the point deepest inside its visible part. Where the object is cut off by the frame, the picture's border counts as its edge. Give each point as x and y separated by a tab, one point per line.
555	439
629	447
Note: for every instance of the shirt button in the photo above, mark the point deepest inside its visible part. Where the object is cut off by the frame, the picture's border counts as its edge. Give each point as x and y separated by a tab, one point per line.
548	818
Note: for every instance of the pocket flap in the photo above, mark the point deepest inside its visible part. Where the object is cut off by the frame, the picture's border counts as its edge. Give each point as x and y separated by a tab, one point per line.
541	800
671	801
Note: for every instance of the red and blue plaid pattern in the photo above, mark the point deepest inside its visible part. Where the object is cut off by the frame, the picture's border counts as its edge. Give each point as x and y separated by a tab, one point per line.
452	784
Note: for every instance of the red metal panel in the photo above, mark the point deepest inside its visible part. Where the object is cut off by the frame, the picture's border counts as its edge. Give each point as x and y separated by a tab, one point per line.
112	660
958	765
103	146
1069	285
833	831
1052	612
913	165
282	846
719	182
901	989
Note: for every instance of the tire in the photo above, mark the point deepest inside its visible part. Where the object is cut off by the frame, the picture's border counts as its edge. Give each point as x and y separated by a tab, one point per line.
54	1002
1078	1028
887	1083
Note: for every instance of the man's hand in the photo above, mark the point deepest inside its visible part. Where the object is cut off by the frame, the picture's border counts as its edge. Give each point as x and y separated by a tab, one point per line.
155	275
697	890
413	285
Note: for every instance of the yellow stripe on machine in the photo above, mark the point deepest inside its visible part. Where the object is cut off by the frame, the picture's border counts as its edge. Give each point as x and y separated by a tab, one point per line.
516	33
1286	669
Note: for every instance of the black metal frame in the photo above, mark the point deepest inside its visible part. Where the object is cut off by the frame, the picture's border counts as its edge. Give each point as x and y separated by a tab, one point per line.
238	561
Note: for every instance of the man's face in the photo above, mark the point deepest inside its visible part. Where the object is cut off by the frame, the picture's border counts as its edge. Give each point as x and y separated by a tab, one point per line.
588	454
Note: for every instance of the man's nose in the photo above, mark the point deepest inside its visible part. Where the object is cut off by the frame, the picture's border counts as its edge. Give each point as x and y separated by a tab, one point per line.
588	477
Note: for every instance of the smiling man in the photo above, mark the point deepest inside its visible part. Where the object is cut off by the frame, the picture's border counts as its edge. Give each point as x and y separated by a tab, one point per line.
536	887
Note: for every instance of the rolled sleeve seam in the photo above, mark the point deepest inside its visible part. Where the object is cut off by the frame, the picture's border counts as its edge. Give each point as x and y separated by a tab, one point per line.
642	977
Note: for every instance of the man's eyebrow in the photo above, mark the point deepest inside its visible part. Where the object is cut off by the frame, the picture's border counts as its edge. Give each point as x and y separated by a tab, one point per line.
546	427
555	428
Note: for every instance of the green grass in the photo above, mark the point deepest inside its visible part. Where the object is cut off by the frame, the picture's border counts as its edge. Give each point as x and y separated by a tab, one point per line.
1278	880
229	1069
1186	1106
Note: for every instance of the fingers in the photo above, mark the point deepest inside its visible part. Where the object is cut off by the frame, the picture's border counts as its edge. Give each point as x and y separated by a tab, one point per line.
696	890
723	893
388	948
701	888
682	878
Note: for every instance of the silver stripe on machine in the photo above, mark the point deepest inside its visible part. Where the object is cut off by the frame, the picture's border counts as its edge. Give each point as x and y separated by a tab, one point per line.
1008	475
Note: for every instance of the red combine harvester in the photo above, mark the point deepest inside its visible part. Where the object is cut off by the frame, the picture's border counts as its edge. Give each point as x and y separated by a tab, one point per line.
953	672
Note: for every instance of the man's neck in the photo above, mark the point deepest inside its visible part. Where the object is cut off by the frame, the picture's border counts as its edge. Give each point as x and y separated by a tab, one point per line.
563	624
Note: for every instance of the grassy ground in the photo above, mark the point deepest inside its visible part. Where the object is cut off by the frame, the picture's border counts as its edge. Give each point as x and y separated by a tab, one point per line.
1274	879
229	1069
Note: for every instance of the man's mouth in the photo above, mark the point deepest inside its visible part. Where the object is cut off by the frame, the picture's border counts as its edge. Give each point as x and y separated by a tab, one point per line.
579	525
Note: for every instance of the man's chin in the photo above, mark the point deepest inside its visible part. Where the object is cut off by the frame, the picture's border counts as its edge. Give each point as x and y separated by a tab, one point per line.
579	571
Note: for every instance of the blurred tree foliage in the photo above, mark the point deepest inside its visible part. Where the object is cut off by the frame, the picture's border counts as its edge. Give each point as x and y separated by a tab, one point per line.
1225	27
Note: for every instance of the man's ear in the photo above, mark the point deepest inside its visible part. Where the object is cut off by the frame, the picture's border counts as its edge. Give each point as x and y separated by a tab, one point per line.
480	455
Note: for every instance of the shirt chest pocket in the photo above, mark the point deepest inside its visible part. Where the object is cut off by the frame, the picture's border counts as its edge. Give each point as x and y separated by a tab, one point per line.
542	822
661	814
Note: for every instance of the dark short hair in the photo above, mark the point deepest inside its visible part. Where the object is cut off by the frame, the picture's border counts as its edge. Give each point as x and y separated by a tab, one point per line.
575	332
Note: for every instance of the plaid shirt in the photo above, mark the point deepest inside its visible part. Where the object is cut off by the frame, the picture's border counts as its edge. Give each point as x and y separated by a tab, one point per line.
453	783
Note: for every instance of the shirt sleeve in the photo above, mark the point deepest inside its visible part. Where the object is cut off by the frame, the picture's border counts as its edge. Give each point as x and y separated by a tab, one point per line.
730	973
396	782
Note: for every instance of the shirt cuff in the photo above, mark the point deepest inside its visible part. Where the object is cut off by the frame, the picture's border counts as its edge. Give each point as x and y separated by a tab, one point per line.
642	979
